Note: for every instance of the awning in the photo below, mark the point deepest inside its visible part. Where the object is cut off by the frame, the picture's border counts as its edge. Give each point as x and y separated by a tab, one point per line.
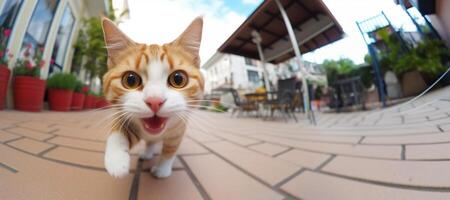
313	24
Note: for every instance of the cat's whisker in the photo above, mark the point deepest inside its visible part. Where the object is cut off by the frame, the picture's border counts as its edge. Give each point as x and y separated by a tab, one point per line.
122	121
110	116
196	115
114	121
182	119
106	108
197	120
192	122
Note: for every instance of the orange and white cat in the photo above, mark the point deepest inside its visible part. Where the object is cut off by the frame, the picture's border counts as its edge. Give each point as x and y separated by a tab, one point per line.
151	86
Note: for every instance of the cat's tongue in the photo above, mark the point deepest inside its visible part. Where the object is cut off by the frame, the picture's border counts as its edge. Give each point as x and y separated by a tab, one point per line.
154	125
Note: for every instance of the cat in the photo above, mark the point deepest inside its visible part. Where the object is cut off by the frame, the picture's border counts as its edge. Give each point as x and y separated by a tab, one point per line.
152	86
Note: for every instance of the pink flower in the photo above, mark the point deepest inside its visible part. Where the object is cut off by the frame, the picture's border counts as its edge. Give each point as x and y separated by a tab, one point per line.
7	32
28	65
85	89
52	61
2	53
42	63
29	45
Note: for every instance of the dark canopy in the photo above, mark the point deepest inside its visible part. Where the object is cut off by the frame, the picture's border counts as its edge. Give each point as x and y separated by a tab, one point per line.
313	24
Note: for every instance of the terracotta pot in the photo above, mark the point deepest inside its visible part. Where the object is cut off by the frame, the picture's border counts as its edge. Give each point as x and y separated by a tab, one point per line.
77	101
28	93
413	83
87	101
60	99
93	102
4	78
102	103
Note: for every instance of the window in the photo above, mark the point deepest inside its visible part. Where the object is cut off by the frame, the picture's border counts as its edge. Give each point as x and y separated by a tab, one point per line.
253	76
76	62
62	40
39	25
250	62
7	17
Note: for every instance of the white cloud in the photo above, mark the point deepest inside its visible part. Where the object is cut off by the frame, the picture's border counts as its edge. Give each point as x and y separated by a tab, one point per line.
159	22
251	2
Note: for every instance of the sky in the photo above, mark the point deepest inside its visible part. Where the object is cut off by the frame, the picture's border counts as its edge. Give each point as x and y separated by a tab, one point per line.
161	21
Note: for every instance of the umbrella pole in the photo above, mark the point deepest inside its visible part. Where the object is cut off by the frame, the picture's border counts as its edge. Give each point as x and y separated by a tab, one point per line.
263	65
298	59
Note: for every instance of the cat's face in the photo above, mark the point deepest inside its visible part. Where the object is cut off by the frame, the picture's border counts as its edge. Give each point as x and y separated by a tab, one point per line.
152	85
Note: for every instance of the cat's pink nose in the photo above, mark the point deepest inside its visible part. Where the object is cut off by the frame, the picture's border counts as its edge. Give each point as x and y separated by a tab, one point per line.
155	103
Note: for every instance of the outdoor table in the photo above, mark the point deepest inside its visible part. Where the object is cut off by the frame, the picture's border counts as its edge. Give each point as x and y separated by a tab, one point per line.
256	97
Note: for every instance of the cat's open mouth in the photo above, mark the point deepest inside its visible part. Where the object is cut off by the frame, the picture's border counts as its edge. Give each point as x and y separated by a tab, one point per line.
154	125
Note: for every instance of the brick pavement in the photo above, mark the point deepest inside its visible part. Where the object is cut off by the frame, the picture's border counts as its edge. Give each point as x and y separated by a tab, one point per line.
396	153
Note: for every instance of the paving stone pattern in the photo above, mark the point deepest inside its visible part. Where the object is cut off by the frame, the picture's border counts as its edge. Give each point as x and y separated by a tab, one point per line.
402	152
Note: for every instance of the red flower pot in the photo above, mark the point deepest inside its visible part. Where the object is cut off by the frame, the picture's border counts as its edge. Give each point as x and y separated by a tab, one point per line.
28	93
94	102
77	101
60	99
4	78
87	101
102	103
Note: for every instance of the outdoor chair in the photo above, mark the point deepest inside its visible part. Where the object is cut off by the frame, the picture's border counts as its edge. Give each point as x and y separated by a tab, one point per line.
242	105
283	100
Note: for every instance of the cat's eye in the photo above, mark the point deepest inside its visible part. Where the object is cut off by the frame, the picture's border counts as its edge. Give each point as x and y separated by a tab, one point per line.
131	80
178	79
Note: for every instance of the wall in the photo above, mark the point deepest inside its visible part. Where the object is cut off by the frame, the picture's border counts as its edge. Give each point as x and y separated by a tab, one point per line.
21	24
441	20
221	68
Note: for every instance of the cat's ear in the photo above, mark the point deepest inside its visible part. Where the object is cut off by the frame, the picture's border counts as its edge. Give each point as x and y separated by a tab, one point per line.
191	38
116	41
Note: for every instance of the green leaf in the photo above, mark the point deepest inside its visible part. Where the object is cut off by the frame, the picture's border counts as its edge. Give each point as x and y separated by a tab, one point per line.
62	81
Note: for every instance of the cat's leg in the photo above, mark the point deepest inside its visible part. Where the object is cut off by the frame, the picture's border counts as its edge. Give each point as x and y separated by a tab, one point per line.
117	157
163	168
149	152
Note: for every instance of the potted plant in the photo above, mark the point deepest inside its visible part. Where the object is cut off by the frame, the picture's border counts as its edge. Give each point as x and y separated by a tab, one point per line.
421	66
94	100
4	71
87	98
78	96
28	88
60	90
101	103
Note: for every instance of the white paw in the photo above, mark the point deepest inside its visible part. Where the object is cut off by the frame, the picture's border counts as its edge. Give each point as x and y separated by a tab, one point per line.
161	171
149	153
146	156
117	163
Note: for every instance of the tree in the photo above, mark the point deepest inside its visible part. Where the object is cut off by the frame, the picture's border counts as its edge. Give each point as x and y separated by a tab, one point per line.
91	46
341	67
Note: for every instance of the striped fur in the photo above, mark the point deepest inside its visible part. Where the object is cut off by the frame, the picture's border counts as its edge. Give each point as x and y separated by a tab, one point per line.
153	63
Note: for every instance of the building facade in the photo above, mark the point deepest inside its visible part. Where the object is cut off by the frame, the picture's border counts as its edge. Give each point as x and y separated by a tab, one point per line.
51	25
436	11
244	74
231	71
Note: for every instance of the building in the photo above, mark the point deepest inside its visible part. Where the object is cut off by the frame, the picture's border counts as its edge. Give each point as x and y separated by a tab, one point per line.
290	68
437	13
231	71
49	24
224	70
